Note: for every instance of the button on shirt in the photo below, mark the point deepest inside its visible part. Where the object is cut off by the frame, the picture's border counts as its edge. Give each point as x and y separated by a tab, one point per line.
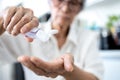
81	43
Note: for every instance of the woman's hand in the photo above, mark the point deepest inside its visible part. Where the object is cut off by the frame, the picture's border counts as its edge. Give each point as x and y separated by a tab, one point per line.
19	20
59	66
2	30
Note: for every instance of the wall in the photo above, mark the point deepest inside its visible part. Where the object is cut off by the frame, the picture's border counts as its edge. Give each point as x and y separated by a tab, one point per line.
99	12
39	7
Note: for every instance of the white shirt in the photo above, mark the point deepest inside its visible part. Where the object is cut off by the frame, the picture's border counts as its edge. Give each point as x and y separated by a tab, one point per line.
81	43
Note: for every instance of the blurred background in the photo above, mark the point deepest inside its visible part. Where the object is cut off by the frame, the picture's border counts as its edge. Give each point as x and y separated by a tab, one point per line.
102	16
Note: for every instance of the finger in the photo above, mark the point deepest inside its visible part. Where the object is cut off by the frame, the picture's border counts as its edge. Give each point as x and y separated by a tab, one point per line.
32	24
15	19
52	75
29	39
55	66
68	62
24	20
1	26
40	63
9	13
25	60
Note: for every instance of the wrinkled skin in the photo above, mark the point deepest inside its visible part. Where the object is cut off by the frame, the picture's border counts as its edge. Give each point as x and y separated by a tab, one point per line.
16	20
59	66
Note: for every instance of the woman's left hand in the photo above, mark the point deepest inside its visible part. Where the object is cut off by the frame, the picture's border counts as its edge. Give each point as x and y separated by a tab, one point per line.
59	66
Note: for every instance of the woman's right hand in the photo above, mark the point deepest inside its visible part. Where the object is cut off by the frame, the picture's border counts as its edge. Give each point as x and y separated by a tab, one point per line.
19	20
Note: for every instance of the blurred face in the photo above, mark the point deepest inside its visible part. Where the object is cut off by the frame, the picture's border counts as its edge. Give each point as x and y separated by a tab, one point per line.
64	11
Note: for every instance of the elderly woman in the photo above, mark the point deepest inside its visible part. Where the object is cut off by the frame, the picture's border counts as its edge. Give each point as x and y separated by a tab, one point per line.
71	54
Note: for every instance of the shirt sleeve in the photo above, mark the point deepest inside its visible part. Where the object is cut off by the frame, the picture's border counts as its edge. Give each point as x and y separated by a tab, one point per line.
92	60
12	47
5	56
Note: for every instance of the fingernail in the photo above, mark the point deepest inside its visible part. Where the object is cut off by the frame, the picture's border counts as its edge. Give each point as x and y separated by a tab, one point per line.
69	68
19	58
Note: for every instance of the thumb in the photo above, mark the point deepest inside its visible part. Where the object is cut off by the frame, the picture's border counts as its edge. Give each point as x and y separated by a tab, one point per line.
68	63
29	39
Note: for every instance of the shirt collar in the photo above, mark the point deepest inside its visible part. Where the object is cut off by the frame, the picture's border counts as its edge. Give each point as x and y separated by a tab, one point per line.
73	33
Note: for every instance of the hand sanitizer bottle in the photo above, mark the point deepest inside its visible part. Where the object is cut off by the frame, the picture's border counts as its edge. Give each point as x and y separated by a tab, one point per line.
43	33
